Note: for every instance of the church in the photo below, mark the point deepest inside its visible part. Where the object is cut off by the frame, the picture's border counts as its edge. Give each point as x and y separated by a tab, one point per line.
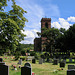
39	42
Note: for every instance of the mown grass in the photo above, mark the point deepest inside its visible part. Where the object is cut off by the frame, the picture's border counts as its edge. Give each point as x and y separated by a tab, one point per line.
38	69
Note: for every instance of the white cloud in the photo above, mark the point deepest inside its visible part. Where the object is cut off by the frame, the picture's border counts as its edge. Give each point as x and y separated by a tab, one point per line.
36	12
30	36
61	23
64	23
56	24
72	19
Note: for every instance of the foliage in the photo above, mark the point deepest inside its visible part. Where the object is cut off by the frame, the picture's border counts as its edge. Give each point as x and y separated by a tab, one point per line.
11	26
60	40
70	38
51	36
17	55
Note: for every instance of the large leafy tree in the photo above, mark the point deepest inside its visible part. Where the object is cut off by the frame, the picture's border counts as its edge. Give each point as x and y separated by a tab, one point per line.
70	38
11	26
51	35
60	41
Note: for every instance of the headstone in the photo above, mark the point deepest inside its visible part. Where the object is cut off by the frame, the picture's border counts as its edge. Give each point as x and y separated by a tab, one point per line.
26	70
1	60
33	61
62	64
55	62
71	72
71	66
4	70
20	62
40	61
70	60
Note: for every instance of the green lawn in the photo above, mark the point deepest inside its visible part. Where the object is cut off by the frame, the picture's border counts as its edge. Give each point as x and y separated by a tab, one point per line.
38	69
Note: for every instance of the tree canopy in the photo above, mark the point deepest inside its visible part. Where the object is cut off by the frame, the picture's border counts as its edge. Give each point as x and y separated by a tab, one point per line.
61	39
11	26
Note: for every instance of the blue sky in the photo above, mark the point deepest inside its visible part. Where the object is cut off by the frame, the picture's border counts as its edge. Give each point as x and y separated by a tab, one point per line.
61	12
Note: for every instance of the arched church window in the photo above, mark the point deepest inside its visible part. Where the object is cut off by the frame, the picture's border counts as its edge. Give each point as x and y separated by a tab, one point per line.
46	25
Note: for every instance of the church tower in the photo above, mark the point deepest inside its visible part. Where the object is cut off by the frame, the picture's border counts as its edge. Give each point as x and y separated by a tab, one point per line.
38	42
45	23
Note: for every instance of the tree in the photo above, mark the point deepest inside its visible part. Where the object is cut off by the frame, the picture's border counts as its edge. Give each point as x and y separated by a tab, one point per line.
11	26
51	35
70	38
60	41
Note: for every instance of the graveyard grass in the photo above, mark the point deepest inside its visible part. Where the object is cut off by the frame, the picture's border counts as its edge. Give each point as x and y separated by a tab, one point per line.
38	69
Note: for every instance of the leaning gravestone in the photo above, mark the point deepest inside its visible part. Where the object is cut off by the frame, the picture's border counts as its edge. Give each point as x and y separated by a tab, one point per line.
40	61
26	70
4	70
71	72
71	66
1	60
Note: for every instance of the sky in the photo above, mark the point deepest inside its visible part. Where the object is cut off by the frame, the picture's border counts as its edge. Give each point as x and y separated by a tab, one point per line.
61	12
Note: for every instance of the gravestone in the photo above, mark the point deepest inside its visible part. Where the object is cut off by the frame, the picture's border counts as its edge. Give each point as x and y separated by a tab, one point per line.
55	62
62	64
20	62
71	72
40	61
70	60
1	60
26	70
4	70
33	61
71	66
